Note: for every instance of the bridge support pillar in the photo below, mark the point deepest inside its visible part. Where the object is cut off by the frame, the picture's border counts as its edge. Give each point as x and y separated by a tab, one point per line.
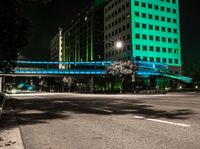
1	84
91	85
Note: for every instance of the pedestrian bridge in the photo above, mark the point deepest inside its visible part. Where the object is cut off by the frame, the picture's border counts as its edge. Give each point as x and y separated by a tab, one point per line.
145	69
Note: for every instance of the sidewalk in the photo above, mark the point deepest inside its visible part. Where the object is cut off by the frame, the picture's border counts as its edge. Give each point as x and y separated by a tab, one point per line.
10	137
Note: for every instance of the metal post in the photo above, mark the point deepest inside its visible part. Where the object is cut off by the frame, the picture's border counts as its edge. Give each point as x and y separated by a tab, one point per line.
1	84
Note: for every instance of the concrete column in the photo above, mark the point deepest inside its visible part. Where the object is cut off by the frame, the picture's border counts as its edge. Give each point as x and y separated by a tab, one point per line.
91	85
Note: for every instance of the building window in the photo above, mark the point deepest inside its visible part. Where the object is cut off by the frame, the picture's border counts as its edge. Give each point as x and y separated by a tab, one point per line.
174	1
176	61
168	19
150	6
158	60
144	48
145	59
144	15
170	60
127	4
156	17
150	37
136	3
163	29
175	40
143	4
174	10
162	18
151	48
169	40
156	7
162	8
150	27
137	25
164	50
157	49
176	51
157	28
157	38
164	60
144	36
169	30
174	20
137	47
144	26
163	39
170	50
150	16
168	10
137	58
151	59
175	30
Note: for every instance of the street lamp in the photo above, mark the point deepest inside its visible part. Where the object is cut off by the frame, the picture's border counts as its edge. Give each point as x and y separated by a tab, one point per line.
119	45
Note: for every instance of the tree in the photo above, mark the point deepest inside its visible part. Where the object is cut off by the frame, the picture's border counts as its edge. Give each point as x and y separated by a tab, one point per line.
122	69
14	32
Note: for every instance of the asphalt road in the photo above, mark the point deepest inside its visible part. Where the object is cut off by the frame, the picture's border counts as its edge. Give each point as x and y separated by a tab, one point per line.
77	121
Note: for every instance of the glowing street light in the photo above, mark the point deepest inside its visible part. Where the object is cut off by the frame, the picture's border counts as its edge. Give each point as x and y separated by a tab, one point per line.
119	44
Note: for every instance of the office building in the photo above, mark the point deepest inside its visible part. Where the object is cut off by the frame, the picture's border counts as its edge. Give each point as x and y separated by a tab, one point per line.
56	47
83	38
149	31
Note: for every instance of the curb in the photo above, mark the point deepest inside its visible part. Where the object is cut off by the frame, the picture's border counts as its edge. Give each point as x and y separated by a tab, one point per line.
10	134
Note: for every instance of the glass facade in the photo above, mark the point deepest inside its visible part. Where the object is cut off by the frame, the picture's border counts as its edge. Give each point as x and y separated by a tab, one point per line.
156	31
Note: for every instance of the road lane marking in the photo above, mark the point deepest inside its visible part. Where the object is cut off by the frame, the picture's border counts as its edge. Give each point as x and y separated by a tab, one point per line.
104	110
162	121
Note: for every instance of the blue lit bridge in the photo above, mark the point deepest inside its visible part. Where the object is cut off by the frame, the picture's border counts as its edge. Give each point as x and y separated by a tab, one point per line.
146	69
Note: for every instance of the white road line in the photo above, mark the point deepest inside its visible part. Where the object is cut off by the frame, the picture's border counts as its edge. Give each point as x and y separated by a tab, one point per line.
162	121
74	104
109	111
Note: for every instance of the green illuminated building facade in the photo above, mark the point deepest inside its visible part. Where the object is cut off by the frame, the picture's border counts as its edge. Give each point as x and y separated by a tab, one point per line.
150	31
83	38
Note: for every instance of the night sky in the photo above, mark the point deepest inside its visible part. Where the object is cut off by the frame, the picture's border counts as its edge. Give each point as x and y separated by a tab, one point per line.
45	20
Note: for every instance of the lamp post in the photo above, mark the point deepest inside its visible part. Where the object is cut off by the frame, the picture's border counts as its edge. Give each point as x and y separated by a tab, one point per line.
119	45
